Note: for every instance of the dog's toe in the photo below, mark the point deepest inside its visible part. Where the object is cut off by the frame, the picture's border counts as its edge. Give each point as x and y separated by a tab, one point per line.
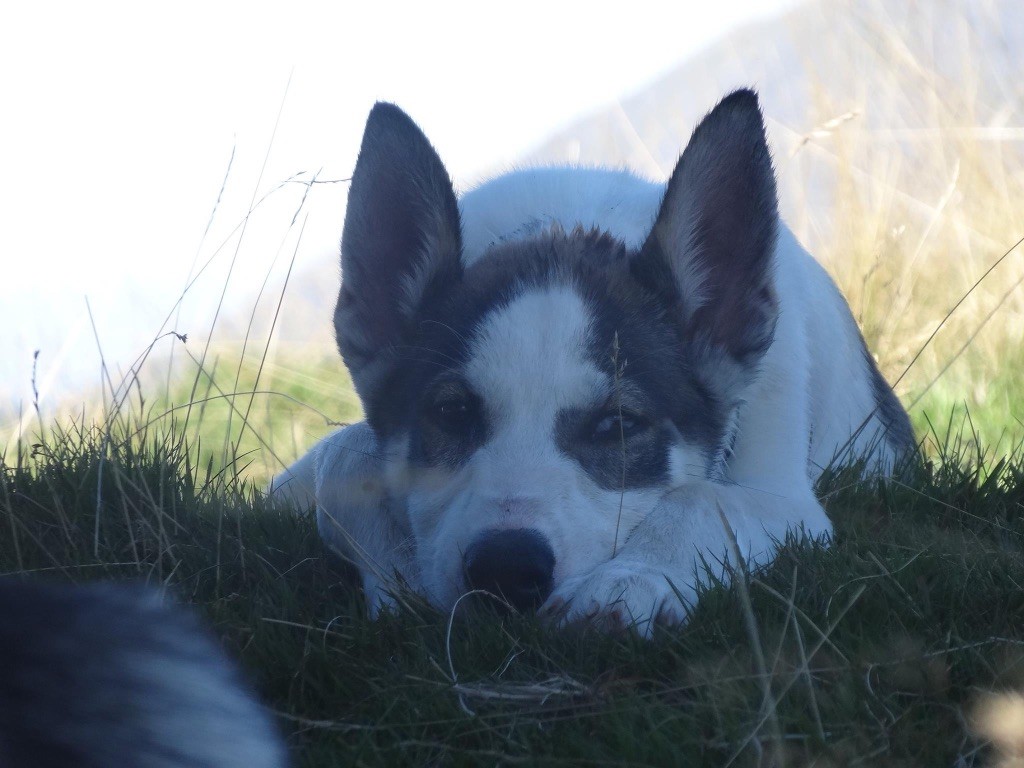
618	596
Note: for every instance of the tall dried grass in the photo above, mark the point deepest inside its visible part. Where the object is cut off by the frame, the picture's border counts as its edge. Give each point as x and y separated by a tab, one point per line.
920	157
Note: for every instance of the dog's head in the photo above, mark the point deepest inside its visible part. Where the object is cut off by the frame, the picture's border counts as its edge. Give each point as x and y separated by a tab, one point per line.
538	402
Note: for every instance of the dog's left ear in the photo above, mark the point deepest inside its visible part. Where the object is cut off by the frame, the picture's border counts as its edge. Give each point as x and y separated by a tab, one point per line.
401	246
710	251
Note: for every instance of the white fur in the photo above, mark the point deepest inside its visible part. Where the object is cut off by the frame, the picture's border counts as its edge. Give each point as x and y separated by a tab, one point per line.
525	362
813	370
530	200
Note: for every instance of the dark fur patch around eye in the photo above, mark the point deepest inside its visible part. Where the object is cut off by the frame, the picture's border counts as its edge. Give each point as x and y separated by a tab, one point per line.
450	426
640	461
652	361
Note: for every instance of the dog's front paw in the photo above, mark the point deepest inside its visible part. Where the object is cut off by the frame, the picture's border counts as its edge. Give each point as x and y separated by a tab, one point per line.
623	594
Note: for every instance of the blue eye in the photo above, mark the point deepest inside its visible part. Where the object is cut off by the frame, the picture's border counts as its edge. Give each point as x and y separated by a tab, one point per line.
614	426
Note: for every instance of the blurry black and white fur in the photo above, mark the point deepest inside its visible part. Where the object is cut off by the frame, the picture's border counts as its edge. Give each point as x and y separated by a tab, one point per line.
107	675
579	385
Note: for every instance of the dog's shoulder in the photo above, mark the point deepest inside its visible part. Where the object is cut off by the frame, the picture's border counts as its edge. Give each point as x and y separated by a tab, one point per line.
528	201
820	376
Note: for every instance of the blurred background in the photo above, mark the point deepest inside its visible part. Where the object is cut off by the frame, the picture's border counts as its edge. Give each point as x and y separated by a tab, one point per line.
174	183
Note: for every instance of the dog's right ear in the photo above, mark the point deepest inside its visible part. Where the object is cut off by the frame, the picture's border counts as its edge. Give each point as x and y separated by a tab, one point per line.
401	245
710	252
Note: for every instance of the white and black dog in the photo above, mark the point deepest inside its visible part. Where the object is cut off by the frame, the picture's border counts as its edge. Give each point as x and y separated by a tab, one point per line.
582	388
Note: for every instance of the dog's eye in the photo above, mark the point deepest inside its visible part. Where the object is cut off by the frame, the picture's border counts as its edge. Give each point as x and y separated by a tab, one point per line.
453	414
615	426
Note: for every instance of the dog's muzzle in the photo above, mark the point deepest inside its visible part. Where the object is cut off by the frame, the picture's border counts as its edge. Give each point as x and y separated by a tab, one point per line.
514	564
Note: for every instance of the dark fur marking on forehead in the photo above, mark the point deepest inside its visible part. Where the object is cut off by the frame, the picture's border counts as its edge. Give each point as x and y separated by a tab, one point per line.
507	271
652	357
447	322
430	445
596	266
652	353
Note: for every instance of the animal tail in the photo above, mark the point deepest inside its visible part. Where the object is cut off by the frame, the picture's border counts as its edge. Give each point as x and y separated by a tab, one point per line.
108	675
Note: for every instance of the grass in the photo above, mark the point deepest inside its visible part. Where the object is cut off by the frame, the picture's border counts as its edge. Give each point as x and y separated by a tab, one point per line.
911	139
882	650
878	650
282	406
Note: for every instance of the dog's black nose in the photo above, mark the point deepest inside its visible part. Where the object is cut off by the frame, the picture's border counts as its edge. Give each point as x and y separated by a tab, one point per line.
515	564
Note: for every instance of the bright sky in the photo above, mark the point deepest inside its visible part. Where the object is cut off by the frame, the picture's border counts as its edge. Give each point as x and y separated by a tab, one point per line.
119	120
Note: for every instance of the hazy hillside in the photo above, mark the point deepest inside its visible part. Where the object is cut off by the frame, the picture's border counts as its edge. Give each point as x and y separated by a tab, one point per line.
898	133
894	72
893	97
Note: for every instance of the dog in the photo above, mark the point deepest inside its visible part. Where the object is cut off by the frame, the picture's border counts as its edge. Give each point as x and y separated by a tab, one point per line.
585	391
106	674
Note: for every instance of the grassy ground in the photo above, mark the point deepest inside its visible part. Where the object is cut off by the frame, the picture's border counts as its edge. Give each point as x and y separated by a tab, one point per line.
878	651
282	407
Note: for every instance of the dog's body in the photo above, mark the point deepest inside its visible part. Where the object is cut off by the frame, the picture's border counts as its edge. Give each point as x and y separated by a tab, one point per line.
590	419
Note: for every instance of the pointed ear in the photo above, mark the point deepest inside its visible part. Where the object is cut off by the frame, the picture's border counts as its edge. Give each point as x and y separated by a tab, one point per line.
710	252
401	244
